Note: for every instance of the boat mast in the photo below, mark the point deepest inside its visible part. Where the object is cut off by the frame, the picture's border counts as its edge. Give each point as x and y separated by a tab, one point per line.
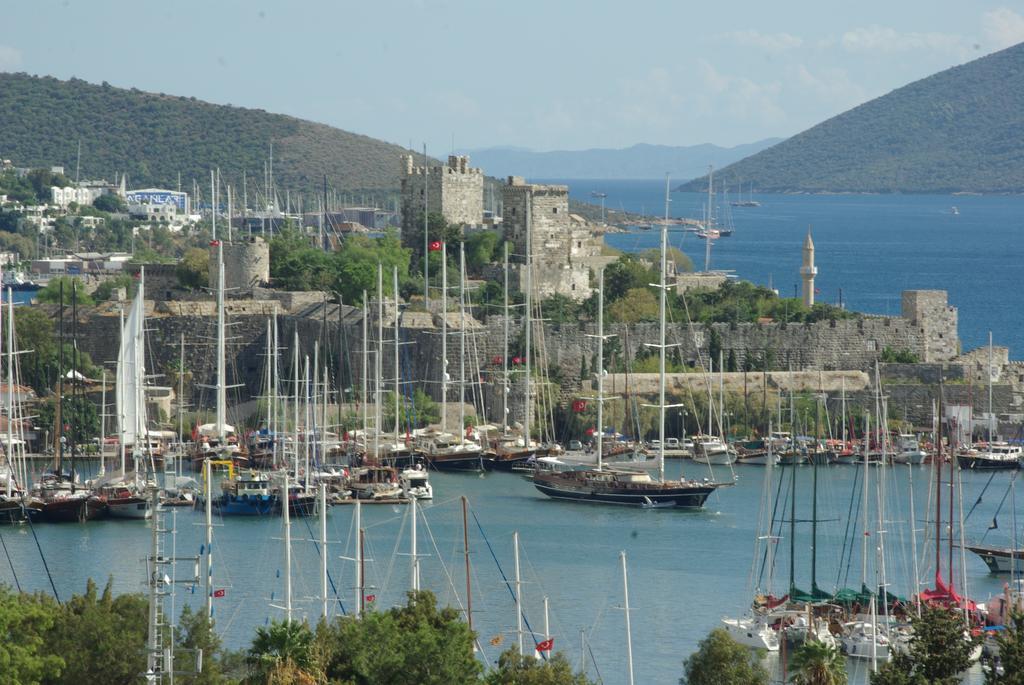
103	419
359	558
181	402
221	371
991	416
600	370
398	371
625	607
286	513
213	205
864	508
10	399
526	330
208	510
414	570
465	554
275	418
519	594
379	365
444	336
307	433
268	373
462	343
661	346
426	229
296	383
322	502
504	357
366	371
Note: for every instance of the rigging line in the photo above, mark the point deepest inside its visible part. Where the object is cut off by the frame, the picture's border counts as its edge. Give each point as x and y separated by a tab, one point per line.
982	494
508	583
847	543
771	528
11	562
42	556
998	509
330	579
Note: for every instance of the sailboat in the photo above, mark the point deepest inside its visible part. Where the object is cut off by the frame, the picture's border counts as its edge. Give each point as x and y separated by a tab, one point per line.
749	202
124	493
625	486
13	472
58	494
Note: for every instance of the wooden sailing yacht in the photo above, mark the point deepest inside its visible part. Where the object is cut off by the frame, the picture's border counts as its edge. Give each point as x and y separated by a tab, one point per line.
620	485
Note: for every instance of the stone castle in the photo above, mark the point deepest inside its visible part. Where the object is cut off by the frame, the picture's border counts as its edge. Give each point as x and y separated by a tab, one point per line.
563	246
456	191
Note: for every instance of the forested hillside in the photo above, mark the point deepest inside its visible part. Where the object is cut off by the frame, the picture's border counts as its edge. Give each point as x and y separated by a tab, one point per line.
961	130
154	137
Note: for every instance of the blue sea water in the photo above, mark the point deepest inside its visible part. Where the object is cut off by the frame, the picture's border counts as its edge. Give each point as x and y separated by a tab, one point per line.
686	569
868	248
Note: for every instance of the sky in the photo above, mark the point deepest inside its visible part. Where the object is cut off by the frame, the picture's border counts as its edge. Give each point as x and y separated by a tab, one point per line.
546	75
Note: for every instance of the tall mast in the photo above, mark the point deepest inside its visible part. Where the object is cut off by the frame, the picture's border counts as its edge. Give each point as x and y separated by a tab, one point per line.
322	503
625	608
229	213
60	383
864	497
519	594
661	342
275	394
267	376
462	343
208	511
379	366
444	336
121	418
398	370
504	357
213	204
366	370
465	554
600	369
181	402
9	451
297	386
359	558
221	371
103	419
526	324
426	229
414	571
991	416
286	515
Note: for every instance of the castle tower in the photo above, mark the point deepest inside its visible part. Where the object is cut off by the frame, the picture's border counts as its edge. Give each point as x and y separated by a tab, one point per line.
808	271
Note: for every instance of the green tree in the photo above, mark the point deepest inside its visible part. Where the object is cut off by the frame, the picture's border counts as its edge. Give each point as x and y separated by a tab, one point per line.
193	271
901	356
637	304
24	656
481	250
109	202
42	180
514	669
78	413
1011	654
283	652
102	638
938	651
816	663
673	255
416	644
720	660
51	294
627	273
194	632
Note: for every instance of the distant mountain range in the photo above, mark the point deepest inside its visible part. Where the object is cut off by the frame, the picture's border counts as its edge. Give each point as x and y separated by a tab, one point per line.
961	130
640	161
155	137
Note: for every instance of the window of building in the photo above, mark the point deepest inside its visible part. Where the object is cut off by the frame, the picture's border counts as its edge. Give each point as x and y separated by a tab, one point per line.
513	211
554	210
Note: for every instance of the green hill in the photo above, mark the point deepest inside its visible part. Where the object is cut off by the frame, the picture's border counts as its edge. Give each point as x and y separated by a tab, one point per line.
961	130
152	137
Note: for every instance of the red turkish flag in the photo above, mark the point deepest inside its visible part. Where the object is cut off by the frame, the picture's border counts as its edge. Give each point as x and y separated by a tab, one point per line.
546	645
579	405
219	593
435	246
370	598
590	431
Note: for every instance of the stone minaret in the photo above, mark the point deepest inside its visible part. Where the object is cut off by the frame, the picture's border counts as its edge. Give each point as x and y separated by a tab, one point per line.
808	271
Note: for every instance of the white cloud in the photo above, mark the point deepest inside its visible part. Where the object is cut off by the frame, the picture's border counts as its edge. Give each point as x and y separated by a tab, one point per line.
1002	27
886	39
831	86
771	42
10	57
739	97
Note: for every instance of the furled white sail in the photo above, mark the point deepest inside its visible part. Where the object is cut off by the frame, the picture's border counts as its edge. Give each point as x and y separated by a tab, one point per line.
131	374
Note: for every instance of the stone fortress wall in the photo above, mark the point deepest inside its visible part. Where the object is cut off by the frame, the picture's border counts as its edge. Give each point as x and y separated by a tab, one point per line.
926	328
